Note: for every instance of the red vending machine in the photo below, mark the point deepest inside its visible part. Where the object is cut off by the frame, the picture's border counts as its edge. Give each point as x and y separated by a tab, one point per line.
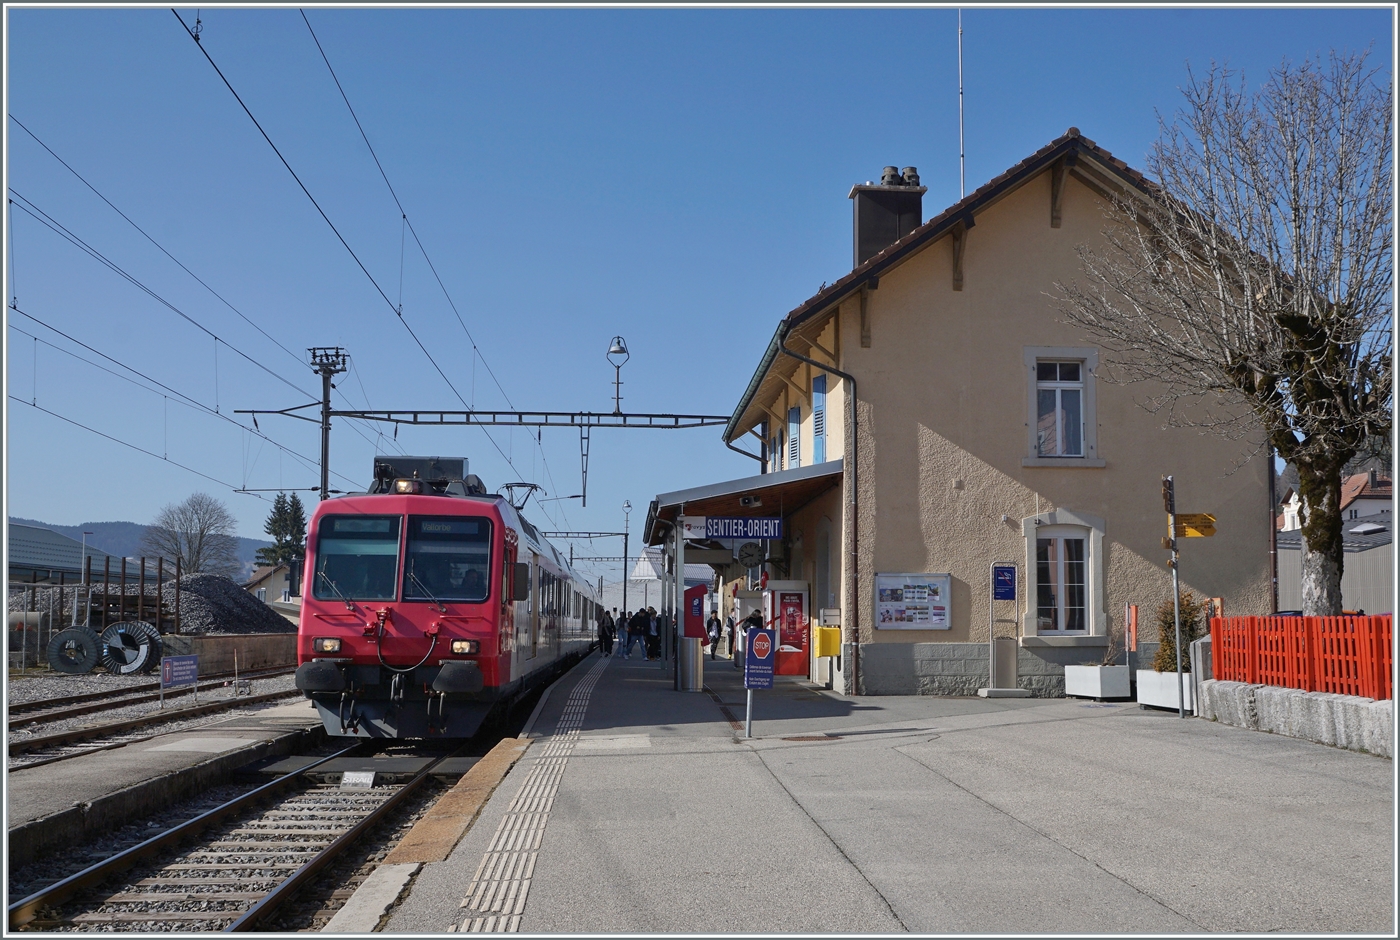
785	608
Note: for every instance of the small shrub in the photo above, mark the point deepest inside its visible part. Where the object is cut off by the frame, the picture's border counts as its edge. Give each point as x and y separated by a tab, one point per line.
1194	620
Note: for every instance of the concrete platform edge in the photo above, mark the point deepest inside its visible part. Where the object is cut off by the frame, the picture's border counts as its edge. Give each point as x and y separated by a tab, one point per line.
82	820
372	899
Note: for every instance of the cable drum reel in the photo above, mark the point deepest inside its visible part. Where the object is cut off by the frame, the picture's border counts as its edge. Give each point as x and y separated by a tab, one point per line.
130	647
75	651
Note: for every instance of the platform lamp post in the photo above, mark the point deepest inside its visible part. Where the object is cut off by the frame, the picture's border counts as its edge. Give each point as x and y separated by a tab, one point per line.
618	356
626	518
82	568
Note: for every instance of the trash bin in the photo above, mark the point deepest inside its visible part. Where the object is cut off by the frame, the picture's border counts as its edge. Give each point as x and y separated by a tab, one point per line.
691	671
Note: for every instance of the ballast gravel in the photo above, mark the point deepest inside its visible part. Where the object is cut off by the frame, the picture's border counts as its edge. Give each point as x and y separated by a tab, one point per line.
126	712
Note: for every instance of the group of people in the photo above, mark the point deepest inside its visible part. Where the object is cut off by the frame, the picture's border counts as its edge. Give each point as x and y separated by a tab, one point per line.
626	631
622	632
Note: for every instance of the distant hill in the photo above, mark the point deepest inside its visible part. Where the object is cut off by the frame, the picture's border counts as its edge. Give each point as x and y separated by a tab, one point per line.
123	539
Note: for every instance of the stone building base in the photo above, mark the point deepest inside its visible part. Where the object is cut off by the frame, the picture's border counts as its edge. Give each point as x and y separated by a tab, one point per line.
961	668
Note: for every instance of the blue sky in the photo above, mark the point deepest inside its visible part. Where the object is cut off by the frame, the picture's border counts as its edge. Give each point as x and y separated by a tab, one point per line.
675	176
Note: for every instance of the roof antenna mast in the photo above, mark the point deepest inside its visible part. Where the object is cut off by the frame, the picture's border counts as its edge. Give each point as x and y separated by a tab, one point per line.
962	179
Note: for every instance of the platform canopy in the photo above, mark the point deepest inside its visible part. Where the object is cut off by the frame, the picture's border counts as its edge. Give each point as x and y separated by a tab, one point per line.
782	493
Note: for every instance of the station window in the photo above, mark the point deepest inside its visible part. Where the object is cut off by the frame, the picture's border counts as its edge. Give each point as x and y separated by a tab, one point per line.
794	455
1061	404
1064	574
819	419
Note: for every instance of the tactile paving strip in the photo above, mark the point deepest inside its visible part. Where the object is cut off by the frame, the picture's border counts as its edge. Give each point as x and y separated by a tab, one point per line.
501	884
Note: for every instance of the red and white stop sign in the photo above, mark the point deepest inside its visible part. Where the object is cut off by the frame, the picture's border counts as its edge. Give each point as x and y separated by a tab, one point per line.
762	645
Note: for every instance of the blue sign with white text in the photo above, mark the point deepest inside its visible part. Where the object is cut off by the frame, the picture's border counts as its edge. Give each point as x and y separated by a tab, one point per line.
760	644
178	670
1004	582
743	527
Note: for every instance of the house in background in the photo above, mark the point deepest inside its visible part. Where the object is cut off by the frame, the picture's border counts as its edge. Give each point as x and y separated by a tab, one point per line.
1368	565
1363	494
931	413
274	586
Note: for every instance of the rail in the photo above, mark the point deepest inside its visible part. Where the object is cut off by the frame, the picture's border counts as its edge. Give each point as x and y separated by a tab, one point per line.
1345	655
23	911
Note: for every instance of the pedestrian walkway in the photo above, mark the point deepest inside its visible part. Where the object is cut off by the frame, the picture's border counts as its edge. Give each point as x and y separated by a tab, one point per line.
639	809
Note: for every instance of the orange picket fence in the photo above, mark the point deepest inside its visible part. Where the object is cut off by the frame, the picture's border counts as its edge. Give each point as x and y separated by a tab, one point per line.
1348	655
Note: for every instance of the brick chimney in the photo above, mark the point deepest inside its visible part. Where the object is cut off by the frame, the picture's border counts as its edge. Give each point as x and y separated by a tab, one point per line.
885	213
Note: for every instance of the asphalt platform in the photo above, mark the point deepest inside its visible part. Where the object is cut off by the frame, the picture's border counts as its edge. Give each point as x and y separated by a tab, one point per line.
640	809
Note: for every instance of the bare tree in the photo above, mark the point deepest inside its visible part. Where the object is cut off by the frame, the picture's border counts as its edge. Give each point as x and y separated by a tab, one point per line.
1252	287
200	532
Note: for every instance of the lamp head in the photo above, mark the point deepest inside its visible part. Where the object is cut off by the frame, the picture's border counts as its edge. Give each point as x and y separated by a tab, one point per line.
626	505
617	352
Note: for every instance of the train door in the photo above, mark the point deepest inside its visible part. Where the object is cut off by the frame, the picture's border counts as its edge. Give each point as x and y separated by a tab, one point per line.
536	590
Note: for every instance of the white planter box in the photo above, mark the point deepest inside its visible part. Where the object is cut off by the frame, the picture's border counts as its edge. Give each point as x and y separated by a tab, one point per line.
1159	689
1097	681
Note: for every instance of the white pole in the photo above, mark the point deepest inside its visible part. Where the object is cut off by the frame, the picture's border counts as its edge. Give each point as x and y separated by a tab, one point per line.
962	180
748	716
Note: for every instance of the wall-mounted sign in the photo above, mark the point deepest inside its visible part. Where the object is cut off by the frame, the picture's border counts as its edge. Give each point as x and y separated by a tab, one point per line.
913	601
736	527
1003	582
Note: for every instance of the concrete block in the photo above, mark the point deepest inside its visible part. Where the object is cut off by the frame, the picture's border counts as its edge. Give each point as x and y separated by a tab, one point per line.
372	899
1231	703
1378	735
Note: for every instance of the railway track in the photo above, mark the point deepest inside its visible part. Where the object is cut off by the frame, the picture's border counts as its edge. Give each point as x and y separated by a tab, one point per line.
61	707
41	749
232	868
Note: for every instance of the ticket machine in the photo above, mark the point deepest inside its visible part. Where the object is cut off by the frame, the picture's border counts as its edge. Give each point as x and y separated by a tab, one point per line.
785	607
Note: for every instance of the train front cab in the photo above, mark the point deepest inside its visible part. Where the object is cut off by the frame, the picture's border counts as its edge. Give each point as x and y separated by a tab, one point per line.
406	621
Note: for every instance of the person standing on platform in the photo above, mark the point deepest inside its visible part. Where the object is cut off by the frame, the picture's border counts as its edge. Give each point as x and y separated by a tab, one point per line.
712	627
622	634
636	632
653	639
729	627
605	632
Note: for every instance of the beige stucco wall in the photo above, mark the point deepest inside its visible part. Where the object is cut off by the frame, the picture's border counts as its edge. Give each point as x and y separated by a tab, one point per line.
943	401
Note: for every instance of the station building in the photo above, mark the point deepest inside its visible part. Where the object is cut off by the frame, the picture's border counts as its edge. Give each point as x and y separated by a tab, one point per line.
932	413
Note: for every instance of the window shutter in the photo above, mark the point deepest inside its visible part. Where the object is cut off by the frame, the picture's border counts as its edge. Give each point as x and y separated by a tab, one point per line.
819	419
794	427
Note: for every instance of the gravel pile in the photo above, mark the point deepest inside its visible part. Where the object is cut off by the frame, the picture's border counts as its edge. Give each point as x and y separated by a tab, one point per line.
209	603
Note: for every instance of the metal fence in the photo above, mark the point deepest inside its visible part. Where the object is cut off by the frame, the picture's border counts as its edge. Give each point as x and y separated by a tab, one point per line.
1346	655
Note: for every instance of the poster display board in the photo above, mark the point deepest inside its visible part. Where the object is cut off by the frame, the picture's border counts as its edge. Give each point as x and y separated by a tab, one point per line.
785	608
913	601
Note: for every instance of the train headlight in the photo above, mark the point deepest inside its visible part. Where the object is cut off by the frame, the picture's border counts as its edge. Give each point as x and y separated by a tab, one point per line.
326	644
408	486
465	646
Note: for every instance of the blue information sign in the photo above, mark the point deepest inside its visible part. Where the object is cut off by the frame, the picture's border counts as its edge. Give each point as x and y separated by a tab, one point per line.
1004	582
760	644
178	670
743	527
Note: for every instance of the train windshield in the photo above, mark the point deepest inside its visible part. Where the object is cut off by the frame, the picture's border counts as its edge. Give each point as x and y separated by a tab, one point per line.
357	558
449	558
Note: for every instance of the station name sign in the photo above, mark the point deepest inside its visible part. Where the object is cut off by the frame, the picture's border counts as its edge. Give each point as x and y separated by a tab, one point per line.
733	527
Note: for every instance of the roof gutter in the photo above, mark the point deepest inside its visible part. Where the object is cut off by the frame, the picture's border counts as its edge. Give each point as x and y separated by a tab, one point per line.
853	579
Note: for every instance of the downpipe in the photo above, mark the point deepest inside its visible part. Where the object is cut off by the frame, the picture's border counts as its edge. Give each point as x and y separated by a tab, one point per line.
854	501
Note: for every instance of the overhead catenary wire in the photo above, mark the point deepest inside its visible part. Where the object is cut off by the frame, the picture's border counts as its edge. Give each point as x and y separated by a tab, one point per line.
181	397
117	440
227	303
398	313
403	214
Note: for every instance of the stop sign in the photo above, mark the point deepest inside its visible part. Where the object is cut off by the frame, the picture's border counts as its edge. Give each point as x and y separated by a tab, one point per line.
762	645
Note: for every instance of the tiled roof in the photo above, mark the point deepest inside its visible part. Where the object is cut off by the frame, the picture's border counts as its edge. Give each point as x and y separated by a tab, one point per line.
1359	485
1071	142
1352	541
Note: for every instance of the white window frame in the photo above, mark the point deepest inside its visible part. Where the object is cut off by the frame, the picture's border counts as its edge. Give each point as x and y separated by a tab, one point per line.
261	594
1066	522
1088	356
794	441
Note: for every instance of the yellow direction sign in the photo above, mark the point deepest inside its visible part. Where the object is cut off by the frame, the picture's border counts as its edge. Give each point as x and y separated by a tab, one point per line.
1194	525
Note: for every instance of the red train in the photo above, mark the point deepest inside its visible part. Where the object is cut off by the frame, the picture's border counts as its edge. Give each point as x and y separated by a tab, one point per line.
429	604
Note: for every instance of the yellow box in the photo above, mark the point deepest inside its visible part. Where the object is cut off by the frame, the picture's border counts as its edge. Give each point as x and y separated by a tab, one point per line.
827	641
